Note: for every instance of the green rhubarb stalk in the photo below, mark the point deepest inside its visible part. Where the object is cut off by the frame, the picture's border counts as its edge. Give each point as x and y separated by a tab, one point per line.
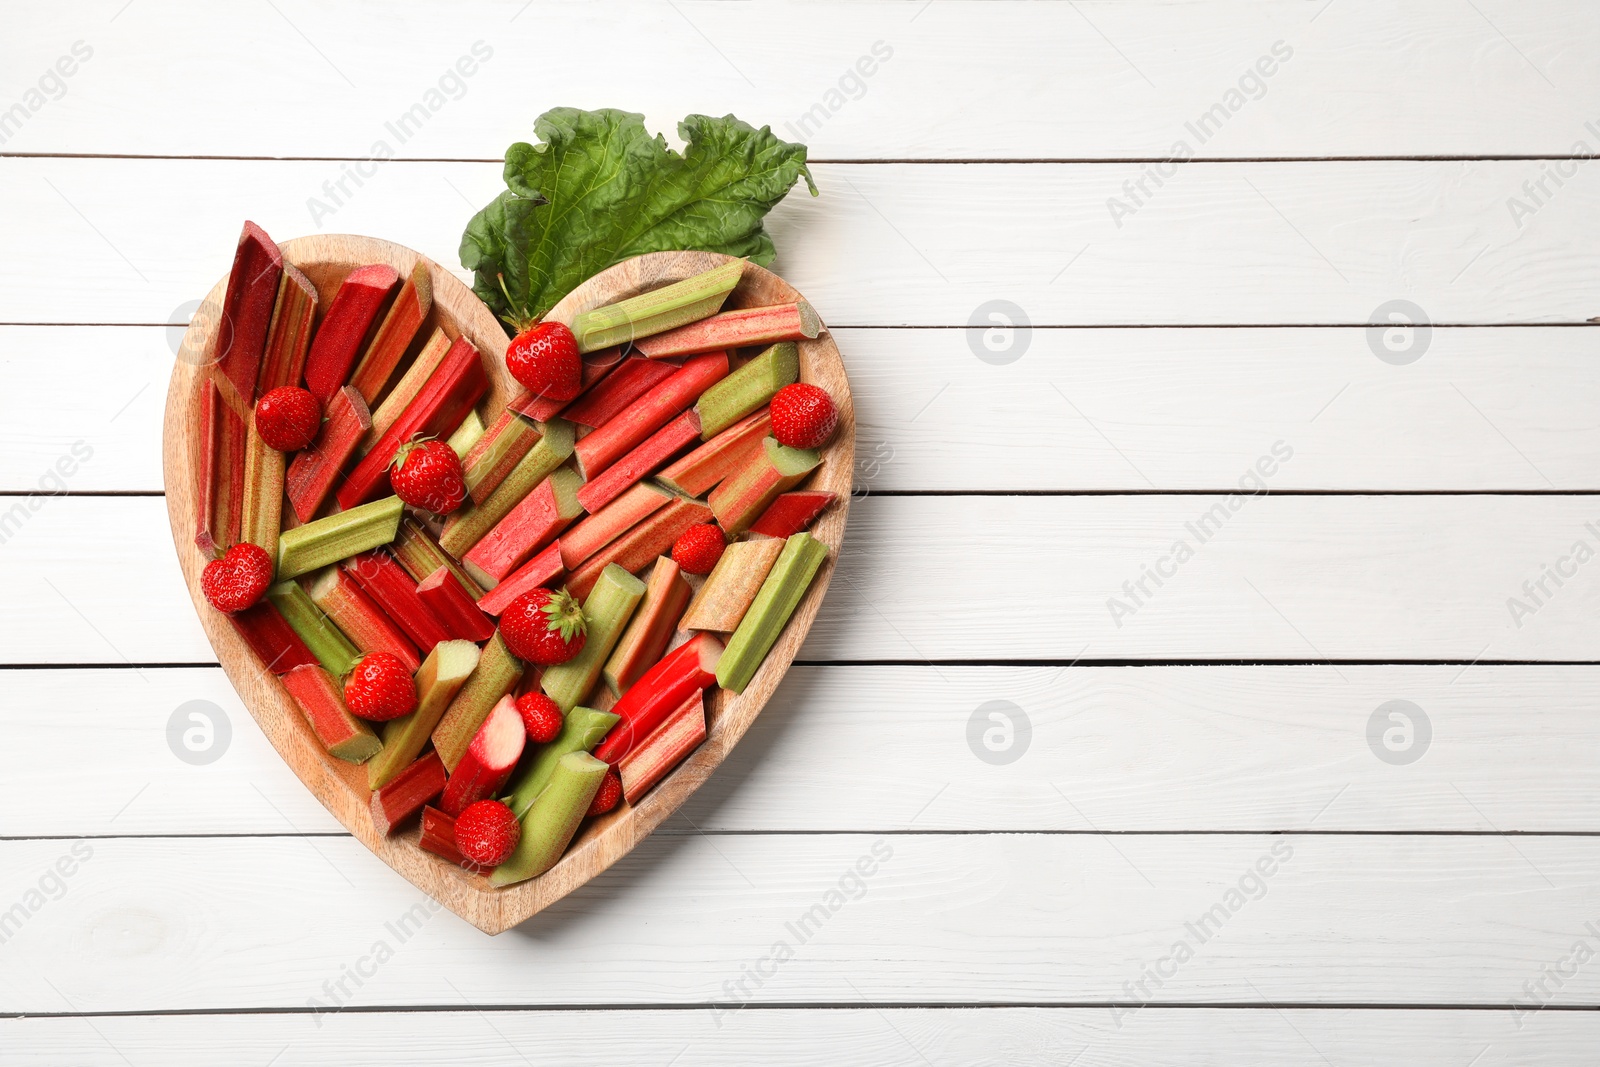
780	594
582	729
678	304
747	388
326	641
466	527
497	673
339	536
467	434
550	824
607	611
439	678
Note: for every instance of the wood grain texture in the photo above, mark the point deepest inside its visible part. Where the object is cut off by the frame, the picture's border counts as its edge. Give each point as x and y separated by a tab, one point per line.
340	786
1144	749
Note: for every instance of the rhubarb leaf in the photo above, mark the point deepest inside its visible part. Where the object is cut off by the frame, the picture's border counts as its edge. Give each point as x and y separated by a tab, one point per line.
599	189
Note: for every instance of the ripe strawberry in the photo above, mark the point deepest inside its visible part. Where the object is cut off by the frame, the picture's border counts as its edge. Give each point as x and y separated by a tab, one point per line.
238	579
487	833
803	416
544	626
541	716
699	547
288	418
380	688
610	793
427	474
544	358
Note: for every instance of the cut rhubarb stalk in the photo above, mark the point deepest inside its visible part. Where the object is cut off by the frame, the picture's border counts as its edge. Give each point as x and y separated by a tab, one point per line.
652	453
541	570
660	691
271	638
344	327
550	824
780	594
531	525
665	595
321	699
749	491
735	329
394	336
453	606
792	512
700	471
622	387
664	749
386	582
748	388
326	641
610	523
497	452
732	586
421	555
596	365
261	506
658	310
607	610
247	310
489	759
636	549
405	794
290	334
338	536
497	674
208	530
220	470
581	730
313	471
360	618
467	526
438	409
439	836
649	413
441	677
467	433
409	385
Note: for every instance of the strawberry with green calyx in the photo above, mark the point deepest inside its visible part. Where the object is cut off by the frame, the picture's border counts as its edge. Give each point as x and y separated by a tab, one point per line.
543	356
238	578
427	473
544	626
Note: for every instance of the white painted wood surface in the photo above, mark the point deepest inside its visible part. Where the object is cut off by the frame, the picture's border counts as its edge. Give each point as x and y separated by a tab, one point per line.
1018	494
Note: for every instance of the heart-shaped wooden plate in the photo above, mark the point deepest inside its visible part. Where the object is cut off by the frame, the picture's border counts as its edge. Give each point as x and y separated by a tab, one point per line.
342	787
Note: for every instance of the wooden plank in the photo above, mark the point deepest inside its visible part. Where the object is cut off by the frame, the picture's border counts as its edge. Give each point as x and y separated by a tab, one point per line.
1340	240
1284	577
156	924
1507	82
1186	409
870	1037
1109	748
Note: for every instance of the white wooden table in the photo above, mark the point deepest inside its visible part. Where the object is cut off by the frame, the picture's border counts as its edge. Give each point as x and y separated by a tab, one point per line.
1199	833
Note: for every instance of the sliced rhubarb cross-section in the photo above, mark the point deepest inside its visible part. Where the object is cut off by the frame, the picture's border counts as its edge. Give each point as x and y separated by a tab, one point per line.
610	523
638	548
529	526
792	512
732	585
541	570
701	470
289	337
410	384
343	329
649	455
489	759
321	700
596	365
735	329
682	673
666	594
453	606
360	618
495	454
649	413
495	674
271	638
313	471
741	498
603	402
405	794
386	582
411	305
667	746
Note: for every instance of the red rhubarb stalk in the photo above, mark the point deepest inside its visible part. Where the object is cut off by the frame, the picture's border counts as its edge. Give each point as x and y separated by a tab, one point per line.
664	749
532	524
489	760
745	494
682	673
610	523
702	469
421	555
792	512
386	582
410	384
209	530
438	409
541	570
313	471
406	793
734	329
394	336
654	451
247	310
620	388
439	837
360	617
453	606
493	456
649	413
634	550
272	639
290	334
321	699
345	326
666	595
596	365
